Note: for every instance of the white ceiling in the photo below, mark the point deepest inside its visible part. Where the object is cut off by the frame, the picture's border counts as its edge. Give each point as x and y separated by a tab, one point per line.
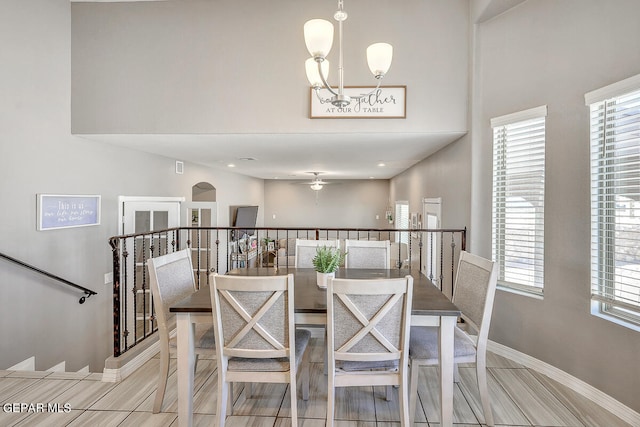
292	156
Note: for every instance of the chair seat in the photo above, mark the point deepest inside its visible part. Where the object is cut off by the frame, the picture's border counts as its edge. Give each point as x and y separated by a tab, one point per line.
423	343
204	337
279	364
353	366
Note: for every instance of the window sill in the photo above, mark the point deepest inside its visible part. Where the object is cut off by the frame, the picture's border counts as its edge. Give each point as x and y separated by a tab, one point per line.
531	293
597	312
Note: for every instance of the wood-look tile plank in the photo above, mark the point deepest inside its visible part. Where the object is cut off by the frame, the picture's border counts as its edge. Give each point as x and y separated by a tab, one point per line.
354	404
45	419
387	411
429	393
302	422
68	375
85	393
11	386
265	401
538	404
99	418
316	406
4	373
203	371
44	392
505	411
132	391
29	374
250	421
148	419
200	420
584	409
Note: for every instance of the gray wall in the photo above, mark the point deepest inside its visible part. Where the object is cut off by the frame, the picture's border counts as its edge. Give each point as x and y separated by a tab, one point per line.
203	66
445	174
350	203
545	52
38	317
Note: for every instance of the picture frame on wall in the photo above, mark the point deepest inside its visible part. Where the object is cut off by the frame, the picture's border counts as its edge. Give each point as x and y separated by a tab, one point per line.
56	211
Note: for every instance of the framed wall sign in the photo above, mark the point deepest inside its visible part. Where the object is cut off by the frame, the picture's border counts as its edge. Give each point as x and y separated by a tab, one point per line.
387	102
66	211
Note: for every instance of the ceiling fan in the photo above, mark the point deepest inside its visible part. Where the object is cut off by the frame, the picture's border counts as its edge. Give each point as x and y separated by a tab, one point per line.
316	184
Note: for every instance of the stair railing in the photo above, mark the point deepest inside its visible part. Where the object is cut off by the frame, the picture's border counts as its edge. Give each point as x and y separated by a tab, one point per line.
220	249
87	292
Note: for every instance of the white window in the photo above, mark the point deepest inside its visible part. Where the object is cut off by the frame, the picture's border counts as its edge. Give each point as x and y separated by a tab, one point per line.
518	198
615	201
402	221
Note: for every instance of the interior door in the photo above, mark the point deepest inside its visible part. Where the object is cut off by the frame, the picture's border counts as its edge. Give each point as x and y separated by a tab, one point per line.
202	242
144	215
432	244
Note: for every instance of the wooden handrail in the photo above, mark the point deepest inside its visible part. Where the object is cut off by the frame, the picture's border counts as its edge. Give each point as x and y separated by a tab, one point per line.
87	292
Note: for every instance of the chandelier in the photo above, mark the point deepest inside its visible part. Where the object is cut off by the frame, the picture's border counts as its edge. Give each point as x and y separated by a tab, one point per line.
318	36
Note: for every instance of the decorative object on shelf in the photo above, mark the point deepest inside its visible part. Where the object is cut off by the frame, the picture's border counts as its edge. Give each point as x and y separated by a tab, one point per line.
318	36
326	262
389	216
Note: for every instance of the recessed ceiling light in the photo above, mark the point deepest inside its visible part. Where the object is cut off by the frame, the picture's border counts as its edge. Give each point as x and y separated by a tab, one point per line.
381	164
371	177
231	165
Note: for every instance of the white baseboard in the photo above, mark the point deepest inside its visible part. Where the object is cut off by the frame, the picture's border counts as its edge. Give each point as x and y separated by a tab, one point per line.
60	367
26	365
602	399
118	374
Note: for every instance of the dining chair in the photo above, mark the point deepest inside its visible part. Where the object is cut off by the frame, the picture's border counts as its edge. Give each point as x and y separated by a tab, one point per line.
171	279
473	294
368	336
306	251
256	337
367	253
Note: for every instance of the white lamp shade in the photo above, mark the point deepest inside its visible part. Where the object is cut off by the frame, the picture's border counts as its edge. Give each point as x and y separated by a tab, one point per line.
318	36
316	187
379	56
311	67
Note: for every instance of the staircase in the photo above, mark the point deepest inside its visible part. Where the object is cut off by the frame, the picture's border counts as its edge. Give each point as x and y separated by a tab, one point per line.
29	364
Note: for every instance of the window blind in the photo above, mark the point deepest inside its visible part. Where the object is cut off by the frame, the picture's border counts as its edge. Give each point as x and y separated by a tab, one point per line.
402	221
615	205
518	199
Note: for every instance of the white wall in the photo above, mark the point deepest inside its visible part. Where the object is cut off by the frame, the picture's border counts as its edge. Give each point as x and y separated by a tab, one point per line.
39	155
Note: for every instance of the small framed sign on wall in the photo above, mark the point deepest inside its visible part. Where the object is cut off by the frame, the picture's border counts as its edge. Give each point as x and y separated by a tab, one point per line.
66	211
386	102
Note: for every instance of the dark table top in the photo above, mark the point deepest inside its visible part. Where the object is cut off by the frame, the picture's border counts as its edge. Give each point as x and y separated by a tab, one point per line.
309	298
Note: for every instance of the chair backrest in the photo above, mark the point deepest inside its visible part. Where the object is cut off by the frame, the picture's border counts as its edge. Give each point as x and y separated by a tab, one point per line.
368	320
171	279
253	315
306	251
367	253
474	291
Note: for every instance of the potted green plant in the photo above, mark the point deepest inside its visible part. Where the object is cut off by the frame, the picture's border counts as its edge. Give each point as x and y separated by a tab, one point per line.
326	262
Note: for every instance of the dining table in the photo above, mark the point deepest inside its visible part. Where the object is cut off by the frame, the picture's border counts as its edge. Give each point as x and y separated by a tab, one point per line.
430	307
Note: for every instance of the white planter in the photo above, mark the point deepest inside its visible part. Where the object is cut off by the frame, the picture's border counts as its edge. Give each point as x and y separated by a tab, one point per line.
323	278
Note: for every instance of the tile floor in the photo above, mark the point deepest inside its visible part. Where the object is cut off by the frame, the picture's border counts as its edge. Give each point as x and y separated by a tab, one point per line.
520	397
